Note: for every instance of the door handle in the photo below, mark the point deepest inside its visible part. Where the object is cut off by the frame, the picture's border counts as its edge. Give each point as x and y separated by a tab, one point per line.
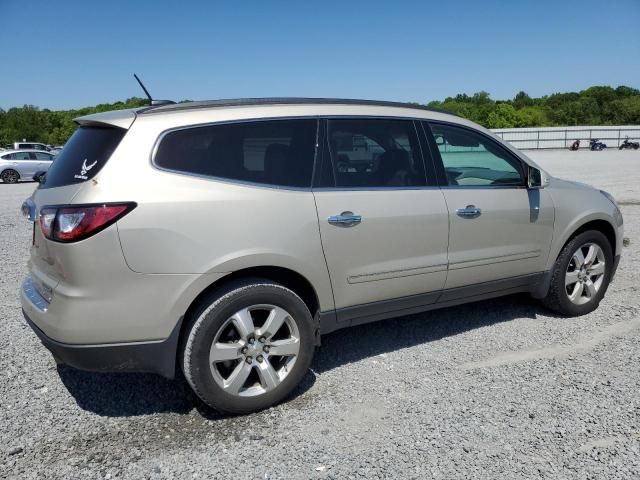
470	211
345	219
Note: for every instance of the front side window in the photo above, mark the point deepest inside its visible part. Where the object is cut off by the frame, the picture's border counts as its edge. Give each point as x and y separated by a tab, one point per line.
472	159
42	156
271	152
375	153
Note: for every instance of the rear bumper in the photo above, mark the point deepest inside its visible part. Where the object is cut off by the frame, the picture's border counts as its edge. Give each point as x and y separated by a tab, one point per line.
146	357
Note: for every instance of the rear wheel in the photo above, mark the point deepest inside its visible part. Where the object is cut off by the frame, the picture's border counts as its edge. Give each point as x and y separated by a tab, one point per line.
581	275
10	176
248	346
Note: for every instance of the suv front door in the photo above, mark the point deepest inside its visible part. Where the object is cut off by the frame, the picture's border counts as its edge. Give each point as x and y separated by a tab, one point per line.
384	229
499	229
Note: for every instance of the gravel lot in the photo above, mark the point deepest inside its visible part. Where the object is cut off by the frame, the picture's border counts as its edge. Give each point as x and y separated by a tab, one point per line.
496	389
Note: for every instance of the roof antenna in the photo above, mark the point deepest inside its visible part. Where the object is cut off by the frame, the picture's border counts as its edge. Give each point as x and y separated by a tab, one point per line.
152	102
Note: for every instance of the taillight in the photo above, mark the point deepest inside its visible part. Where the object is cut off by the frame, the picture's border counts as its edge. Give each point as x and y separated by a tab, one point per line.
47	216
73	223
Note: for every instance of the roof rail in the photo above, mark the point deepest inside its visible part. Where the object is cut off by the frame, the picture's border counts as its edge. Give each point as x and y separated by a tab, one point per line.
282	101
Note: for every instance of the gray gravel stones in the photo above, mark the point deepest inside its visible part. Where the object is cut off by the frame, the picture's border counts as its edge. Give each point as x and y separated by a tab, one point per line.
497	389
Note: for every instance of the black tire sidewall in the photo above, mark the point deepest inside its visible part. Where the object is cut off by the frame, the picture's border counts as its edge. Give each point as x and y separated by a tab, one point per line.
567	305
195	360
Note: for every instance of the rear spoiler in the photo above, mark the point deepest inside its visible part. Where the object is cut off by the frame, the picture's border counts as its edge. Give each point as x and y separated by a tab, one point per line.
115	118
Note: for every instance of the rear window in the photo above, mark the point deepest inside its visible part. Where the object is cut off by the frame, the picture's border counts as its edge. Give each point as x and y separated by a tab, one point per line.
270	152
84	154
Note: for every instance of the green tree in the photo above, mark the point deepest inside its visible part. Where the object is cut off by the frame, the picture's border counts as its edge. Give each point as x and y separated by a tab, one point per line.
502	116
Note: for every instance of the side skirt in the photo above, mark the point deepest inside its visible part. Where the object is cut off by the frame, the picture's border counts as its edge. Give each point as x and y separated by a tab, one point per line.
536	283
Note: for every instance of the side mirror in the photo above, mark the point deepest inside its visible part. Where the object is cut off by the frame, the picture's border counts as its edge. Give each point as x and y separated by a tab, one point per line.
534	177
39	176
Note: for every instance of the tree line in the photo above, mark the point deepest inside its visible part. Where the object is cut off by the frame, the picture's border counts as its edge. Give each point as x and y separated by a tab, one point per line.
599	105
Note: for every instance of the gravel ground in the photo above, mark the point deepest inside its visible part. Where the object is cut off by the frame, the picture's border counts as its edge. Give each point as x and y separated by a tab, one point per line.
497	389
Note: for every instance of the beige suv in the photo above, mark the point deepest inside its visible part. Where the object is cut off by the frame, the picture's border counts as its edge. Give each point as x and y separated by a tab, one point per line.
227	237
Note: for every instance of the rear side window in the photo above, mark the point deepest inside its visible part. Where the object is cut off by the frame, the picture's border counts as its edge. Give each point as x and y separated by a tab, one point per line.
84	154
271	152
375	153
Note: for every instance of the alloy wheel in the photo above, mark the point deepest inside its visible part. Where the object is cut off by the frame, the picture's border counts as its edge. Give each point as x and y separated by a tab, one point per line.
10	176
254	350
585	273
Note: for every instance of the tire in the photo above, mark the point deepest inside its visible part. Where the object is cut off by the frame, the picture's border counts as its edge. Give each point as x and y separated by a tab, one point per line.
10	176
566	269
238	319
636	146
621	147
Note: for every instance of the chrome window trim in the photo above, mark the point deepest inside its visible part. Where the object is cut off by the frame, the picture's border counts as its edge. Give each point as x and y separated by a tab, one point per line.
318	118
232	181
374	189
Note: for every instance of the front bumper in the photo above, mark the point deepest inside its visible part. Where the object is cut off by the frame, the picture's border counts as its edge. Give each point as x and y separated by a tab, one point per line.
149	357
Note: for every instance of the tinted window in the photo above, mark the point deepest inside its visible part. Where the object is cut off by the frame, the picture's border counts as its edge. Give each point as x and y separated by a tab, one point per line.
471	158
375	153
84	154
21	156
42	156
8	156
274	152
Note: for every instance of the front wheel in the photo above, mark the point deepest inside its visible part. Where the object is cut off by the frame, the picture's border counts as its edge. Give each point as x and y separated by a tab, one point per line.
581	275
248	346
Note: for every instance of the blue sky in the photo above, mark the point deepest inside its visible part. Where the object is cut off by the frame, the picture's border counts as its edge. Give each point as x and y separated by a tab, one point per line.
69	54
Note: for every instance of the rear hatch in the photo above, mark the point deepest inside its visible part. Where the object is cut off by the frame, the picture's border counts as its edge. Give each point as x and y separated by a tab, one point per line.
85	154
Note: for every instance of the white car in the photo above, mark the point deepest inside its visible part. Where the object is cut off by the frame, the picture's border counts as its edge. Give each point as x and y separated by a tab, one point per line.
16	165
31	146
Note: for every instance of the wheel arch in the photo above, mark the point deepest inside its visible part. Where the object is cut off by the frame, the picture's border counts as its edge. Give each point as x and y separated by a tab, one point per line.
600	225
287	277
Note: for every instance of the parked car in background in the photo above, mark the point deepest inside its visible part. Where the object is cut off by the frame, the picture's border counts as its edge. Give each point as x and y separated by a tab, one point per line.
227	237
55	150
31	146
17	165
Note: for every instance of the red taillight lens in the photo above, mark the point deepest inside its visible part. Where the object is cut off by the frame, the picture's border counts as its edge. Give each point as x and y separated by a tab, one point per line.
70	224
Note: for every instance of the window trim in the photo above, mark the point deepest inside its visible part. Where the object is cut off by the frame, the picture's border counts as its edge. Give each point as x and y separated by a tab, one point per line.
249	183
439	163
430	176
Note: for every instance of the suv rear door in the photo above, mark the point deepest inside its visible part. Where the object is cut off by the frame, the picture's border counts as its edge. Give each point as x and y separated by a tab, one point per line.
384	228
499	229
